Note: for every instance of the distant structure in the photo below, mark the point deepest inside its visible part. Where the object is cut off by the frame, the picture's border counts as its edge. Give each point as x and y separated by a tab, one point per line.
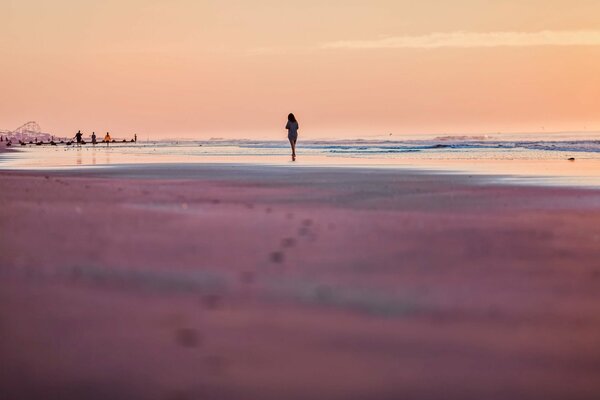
30	127
27	132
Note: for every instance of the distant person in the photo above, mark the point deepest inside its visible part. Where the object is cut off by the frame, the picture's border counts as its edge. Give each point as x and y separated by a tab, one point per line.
135	137
292	128
107	139
78	136
94	138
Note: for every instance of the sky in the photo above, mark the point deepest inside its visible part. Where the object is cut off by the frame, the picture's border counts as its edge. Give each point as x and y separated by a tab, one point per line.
236	68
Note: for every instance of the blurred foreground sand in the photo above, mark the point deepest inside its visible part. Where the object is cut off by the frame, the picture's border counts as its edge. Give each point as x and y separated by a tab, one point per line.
206	282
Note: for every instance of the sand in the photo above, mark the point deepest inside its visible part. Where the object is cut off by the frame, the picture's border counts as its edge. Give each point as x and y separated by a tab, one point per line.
228	282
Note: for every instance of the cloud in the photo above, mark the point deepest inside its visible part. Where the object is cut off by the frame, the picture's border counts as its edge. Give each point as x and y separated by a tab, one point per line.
474	40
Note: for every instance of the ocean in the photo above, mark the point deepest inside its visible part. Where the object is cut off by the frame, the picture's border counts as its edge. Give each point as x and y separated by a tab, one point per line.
558	158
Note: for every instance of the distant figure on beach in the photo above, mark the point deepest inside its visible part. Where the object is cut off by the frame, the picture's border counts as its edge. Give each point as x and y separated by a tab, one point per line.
135	137
94	138
292	128
78	136
107	139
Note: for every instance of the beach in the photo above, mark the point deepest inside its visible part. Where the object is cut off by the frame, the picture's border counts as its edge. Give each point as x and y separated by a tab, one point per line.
207	281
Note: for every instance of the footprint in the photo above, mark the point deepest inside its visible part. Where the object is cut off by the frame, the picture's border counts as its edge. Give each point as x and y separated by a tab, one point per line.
247	276
212	301
216	364
187	337
288	242
277	257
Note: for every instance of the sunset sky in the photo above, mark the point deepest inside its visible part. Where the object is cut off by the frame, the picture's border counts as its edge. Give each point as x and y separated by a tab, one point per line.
235	68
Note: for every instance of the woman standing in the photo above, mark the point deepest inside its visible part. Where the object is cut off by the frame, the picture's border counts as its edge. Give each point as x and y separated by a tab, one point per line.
292	128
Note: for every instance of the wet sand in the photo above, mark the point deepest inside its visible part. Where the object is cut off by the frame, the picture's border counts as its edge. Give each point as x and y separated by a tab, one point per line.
228	282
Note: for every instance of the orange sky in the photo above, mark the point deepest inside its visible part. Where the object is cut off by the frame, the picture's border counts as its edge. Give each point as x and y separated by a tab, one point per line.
235	68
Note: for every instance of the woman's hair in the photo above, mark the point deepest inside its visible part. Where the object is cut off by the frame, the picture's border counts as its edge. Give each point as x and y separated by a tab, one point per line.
291	118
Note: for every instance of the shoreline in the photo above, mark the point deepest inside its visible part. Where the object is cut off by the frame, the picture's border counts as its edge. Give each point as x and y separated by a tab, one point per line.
554	172
257	282
4	149
186	170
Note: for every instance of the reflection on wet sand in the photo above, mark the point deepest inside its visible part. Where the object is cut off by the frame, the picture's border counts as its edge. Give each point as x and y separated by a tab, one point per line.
531	167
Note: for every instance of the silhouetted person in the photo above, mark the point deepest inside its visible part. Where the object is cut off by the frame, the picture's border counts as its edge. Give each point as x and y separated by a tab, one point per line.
107	139
94	138
78	136
292	128
135	137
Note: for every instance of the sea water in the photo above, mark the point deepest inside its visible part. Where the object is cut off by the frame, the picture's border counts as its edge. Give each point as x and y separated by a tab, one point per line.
565	158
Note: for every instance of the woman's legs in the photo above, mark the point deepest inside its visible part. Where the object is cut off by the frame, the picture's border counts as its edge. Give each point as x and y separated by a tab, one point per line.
293	144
